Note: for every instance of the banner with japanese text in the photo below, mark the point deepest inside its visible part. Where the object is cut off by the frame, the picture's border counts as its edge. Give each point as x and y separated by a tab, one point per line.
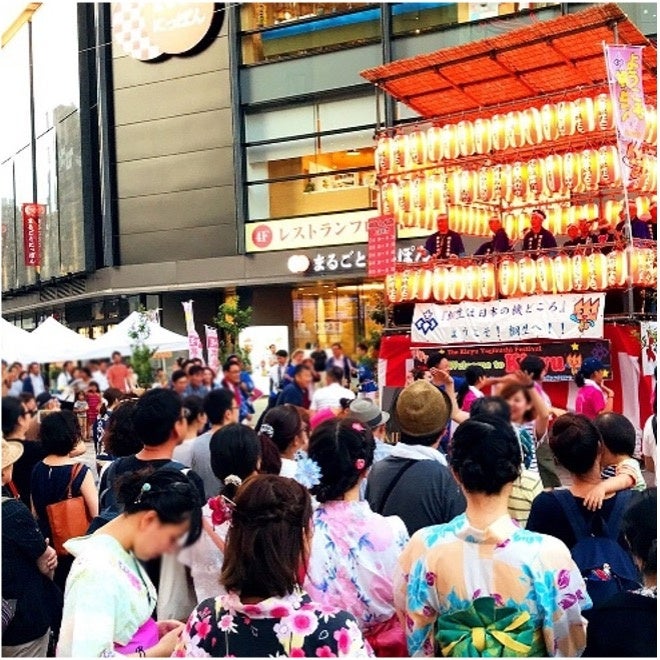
381	246
566	316
212	348
32	216
195	350
649	335
624	76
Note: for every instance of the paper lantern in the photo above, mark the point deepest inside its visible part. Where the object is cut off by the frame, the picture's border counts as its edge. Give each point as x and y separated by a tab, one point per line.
389	198
617	269
423	218
565	119
440	284
390	287
397	286
506	182
535	177
457	283
383	155
449	141
532	126
545	274
417	149
485	184
527	275
597	271
436	190
465	137
421	285
472	282
482	136
471	220
483	216
580	266
651	131
434	144
399	153
498	132
609	172
604	115
461	185
418	190
571	171
554	173
519	179
549	122
458	218
554	219
589	170
611	211
584	117
405	195
649	181
497	182
563	271
507	278
487	285
510	224
643	267
515	129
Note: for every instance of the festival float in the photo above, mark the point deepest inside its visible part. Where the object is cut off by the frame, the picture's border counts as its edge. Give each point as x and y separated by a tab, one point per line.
526	120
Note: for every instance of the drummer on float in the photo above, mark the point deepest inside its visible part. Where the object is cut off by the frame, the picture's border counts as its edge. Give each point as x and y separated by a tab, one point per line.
538	237
500	241
445	243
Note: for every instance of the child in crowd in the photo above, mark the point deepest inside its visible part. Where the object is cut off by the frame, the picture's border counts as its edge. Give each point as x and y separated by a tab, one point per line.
619	437
81	407
94	399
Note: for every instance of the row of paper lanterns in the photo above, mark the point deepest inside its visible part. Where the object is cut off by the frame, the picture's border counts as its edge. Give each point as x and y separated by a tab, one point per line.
513	130
509	279
555	175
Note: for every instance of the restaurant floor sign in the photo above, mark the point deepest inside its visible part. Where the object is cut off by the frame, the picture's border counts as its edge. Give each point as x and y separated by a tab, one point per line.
563	359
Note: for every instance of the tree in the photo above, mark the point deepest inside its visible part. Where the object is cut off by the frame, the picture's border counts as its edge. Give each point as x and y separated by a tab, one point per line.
231	319
141	354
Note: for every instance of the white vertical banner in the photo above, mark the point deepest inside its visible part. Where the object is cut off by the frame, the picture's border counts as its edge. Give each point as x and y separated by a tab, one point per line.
212	348
194	342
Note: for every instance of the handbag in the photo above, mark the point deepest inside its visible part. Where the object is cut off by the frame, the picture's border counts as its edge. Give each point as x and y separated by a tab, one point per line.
387	639
144	637
68	518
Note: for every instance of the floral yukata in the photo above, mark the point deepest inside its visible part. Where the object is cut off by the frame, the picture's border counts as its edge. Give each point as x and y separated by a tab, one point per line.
291	626
453	575
353	560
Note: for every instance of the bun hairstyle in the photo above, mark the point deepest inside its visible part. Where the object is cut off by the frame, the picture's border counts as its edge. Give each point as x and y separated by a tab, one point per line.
266	544
235	450
343	449
279	428
485	454
194	407
575	442
166	491
640	527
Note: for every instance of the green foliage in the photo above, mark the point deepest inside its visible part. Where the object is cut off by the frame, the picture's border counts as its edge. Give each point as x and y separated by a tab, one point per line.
231	319
141	354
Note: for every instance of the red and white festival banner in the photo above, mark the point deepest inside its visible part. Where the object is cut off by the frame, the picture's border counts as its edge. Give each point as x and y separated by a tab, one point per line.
381	248
624	76
195	350
32	215
212	348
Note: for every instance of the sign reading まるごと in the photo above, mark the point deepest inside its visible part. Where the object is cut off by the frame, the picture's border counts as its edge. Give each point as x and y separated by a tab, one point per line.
149	30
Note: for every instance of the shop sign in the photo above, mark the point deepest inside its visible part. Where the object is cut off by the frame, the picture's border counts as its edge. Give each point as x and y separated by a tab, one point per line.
567	316
381	246
562	359
149	30
315	231
333	262
32	215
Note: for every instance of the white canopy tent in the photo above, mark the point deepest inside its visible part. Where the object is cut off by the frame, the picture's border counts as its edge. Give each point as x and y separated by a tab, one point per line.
160	339
56	343
16	345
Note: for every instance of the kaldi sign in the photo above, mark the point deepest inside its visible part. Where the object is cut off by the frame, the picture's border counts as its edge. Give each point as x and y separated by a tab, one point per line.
32	215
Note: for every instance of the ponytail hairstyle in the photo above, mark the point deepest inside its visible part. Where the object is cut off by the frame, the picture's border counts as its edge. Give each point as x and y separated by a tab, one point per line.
589	367
168	492
235	455
279	428
472	375
193	406
268	538
344	450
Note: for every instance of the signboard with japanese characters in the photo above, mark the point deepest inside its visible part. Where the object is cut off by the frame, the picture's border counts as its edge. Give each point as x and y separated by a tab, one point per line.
32	215
649	334
315	231
569	316
381	259
338	261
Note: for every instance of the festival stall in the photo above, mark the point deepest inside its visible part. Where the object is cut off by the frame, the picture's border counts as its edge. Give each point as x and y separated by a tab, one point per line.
525	120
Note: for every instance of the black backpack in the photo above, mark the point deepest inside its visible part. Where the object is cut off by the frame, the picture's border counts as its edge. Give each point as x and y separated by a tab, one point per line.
606	567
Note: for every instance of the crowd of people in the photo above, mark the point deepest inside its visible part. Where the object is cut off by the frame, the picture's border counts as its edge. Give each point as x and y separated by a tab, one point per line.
318	524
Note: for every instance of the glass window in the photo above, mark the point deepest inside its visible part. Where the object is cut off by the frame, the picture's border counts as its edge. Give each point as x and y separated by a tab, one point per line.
8	210
47	194
55	57
288	29
23	194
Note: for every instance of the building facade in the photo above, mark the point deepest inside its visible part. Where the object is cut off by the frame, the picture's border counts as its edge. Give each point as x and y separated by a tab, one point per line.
192	154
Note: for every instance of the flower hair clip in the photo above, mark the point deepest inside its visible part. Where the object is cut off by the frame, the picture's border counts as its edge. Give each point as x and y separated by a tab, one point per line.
356	426
359	464
232	480
146	487
221	509
267	429
308	472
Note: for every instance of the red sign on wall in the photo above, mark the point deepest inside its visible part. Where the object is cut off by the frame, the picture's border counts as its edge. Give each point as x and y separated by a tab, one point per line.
381	248
32	215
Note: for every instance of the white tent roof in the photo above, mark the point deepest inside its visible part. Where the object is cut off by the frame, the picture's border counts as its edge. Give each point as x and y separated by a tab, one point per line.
55	342
160	339
16	344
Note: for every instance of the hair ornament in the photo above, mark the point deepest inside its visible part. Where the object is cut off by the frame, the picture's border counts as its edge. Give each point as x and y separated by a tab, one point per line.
146	487
267	429
232	480
356	426
222	509
308	472
359	464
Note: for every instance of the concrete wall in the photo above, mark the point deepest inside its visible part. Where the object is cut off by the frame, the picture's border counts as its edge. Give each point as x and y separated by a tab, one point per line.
175	169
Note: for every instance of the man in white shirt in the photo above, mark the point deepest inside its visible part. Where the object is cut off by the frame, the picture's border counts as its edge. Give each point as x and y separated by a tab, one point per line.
276	375
99	369
338	359
330	395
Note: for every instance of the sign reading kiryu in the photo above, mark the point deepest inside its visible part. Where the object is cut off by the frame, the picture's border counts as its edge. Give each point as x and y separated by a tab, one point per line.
32	216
